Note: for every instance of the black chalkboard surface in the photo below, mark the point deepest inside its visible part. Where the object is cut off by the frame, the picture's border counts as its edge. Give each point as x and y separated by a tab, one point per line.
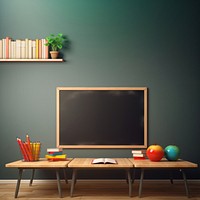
101	117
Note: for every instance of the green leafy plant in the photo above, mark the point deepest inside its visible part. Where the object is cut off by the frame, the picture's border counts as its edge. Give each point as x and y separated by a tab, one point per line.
55	41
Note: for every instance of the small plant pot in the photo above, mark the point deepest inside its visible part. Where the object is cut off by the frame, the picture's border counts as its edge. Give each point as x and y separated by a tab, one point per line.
54	54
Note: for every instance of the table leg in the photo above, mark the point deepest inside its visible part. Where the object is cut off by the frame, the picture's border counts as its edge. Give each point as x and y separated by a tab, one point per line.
133	176
129	182
18	182
65	176
186	183
32	176
58	182
171	177
141	180
73	182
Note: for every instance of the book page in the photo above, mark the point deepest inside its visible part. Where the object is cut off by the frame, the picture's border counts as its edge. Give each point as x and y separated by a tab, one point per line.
104	161
98	161
110	161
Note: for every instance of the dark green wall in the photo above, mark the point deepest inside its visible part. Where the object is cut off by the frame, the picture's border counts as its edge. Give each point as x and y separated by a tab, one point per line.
152	43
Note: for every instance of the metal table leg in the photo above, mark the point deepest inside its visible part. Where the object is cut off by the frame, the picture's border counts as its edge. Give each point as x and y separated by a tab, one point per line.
73	182
65	176
58	182
186	183
141	180
32	176
171	177
18	182
133	176
129	182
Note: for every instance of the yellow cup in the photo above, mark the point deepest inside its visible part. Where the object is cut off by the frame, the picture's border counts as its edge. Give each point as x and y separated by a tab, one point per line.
35	148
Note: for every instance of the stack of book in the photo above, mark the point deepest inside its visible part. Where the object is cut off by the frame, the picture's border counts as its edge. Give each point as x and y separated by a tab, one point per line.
55	154
139	154
30	150
23	49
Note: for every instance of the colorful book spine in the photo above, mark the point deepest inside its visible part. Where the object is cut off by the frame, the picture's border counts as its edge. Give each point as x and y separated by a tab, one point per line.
55	153
54	149
56	156
30	49
26	48
40	49
36	48
18	49
1	49
4	48
46	50
139	154
7	47
23	49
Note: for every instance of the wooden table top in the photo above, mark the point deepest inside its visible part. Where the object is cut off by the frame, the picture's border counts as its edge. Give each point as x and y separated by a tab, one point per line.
42	163
87	163
162	164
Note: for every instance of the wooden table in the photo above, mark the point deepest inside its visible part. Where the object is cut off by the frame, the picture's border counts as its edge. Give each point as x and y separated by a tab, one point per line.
41	164
163	164
86	163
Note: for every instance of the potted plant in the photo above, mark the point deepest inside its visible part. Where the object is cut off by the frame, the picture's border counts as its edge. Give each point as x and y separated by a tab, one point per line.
55	42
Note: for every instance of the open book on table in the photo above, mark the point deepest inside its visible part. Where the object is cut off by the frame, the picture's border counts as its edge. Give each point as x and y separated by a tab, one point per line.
104	161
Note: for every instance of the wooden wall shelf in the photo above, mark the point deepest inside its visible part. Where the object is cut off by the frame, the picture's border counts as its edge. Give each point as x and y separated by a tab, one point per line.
31	60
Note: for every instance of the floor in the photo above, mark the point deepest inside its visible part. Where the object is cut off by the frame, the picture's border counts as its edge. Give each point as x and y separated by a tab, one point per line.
101	189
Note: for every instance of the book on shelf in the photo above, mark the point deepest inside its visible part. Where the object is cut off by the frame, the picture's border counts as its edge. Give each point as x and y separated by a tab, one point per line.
104	161
18	49
13	49
1	49
40	49
33	49
23	49
27	48
8	39
4	48
36	48
30	49
46	50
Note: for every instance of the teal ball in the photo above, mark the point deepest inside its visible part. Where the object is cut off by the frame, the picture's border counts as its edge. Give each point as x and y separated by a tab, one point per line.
172	152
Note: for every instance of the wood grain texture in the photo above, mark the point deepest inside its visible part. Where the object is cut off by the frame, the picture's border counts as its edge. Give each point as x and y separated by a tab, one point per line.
87	163
180	164
42	163
101	190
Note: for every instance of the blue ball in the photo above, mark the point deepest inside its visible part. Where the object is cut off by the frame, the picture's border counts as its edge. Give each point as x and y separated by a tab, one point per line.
172	153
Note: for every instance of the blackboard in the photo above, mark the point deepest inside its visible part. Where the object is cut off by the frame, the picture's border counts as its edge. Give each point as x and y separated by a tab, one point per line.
101	117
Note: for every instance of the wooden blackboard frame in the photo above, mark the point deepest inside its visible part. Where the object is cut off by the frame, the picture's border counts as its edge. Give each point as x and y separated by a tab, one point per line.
58	89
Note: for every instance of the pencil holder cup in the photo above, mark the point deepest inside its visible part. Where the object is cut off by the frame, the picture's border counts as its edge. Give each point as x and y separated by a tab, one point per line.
36	148
31	152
